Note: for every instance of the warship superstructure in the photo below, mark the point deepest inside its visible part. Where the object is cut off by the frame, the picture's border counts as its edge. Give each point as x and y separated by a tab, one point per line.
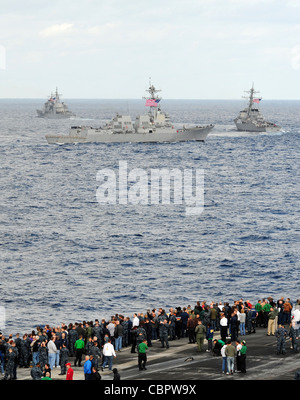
54	108
251	119
154	126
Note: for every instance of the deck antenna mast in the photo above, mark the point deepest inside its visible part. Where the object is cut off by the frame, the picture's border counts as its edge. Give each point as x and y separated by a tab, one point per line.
251	92
152	100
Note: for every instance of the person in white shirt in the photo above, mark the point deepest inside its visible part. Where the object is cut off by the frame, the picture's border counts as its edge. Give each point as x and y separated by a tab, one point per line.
111	328
135	321
224	359
108	354
238	356
242	319
52	349
223	327
296	315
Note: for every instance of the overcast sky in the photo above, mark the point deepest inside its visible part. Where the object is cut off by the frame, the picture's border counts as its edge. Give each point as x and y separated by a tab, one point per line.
192	49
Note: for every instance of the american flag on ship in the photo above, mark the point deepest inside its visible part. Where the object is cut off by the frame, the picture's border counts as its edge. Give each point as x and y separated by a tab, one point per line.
256	100
152	102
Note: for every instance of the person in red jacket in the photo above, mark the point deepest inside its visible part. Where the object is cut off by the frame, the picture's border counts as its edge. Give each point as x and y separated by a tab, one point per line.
70	372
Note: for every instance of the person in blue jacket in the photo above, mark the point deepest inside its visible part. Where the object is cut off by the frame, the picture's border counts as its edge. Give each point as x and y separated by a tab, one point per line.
87	368
209	337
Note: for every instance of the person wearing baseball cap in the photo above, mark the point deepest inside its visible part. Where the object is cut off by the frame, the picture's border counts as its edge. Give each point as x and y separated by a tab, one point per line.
70	372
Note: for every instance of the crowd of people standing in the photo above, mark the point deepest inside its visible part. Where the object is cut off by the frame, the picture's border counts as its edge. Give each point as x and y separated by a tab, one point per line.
99	341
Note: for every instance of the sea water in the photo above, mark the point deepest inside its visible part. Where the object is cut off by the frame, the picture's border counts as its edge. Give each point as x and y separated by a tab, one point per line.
65	258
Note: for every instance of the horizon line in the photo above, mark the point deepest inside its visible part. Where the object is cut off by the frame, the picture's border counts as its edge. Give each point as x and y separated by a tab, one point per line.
131	98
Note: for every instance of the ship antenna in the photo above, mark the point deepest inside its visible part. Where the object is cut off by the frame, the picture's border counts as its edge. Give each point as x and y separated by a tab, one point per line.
153	97
251	92
57	94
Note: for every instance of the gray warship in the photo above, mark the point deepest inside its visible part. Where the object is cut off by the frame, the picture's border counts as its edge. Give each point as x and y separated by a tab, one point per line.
54	108
251	119
154	126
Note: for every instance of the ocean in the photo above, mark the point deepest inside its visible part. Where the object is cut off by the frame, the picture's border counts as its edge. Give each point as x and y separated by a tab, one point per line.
65	258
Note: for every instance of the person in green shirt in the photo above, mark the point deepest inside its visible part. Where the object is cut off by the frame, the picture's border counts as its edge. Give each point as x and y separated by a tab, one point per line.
47	377
79	349
260	316
200	332
272	321
142	357
243	352
266	310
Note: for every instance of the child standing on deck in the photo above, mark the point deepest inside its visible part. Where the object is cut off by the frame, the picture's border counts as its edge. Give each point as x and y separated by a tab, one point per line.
209	336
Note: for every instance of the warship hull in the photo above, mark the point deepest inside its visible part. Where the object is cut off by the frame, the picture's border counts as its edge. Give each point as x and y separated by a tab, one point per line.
41	114
250	127
159	136
251	119
153	127
55	109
